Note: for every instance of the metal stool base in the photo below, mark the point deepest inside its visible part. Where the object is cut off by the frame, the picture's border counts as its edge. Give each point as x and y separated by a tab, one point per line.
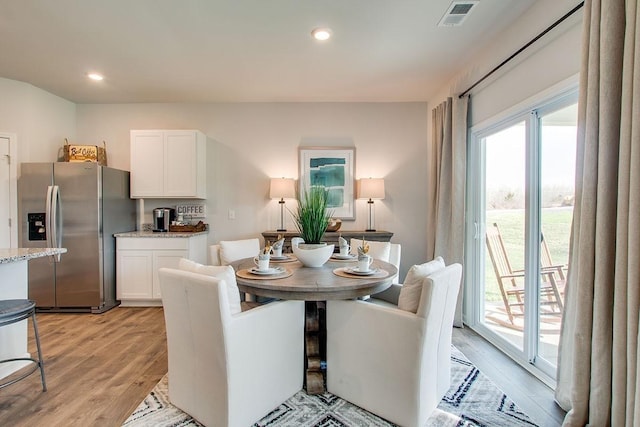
22	314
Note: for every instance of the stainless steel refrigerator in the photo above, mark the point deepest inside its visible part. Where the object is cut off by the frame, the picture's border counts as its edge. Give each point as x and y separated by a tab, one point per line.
78	206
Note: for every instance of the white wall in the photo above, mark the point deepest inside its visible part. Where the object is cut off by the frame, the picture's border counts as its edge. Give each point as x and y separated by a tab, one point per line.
40	120
248	143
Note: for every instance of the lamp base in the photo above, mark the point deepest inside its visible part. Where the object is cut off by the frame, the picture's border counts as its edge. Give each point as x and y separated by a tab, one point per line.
281	228
370	223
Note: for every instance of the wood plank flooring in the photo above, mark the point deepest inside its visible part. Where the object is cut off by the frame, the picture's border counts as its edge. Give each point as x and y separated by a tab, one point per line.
100	367
532	396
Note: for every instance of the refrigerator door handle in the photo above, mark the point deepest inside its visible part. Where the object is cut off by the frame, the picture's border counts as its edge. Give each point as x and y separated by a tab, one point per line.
49	217
55	221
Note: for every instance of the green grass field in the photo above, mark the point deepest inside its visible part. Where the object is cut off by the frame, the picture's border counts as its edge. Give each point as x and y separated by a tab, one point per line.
556	229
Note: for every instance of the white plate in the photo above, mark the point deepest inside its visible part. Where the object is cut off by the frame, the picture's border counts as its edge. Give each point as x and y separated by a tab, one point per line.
269	272
280	258
356	271
344	257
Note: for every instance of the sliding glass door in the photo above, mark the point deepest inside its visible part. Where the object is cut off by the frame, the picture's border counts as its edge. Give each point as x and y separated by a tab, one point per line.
557	140
504	217
521	205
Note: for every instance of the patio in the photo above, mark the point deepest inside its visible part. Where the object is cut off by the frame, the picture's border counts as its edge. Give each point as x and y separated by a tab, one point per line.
496	318
556	224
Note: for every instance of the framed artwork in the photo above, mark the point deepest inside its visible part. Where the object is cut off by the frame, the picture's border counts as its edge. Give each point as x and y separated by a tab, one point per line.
332	168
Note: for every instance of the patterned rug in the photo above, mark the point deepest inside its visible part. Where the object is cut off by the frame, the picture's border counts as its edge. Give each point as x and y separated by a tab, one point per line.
472	400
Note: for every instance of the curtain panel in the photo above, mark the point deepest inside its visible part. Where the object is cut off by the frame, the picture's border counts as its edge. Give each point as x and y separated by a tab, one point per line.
598	356
447	174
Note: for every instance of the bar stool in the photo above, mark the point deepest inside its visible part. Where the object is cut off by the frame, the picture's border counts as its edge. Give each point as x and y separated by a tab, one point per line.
15	310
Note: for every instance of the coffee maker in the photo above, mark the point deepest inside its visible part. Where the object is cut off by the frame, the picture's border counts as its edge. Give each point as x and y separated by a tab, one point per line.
162	218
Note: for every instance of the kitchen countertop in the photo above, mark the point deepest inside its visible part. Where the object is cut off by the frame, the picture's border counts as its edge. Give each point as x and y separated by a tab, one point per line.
20	254
169	234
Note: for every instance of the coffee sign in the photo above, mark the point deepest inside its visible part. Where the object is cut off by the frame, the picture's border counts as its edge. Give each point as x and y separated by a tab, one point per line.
83	153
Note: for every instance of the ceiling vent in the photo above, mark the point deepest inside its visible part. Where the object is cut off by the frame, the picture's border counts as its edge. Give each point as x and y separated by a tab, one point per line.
457	12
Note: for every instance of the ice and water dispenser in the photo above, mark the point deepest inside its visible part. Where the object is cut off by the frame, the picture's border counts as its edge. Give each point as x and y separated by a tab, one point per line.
37	228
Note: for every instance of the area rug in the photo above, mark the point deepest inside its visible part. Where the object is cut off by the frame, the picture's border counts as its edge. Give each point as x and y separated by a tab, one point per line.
472	400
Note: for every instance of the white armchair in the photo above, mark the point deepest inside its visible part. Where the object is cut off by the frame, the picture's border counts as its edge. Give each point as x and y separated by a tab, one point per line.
392	362
224	369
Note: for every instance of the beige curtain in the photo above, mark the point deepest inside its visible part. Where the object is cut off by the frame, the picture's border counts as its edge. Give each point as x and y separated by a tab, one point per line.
598	359
446	185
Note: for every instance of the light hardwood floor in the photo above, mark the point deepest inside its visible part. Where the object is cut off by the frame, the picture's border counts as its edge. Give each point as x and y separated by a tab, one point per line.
99	368
530	394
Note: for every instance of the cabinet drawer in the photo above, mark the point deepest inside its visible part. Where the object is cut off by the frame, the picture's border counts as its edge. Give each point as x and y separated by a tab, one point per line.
154	243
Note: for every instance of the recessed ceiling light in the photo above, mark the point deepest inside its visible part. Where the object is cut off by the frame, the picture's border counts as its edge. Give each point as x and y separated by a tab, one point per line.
95	76
321	34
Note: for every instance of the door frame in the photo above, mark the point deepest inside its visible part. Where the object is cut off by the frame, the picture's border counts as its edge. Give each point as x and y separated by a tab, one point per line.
13	186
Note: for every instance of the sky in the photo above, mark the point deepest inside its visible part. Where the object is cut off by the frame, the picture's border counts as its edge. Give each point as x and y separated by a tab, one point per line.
505	157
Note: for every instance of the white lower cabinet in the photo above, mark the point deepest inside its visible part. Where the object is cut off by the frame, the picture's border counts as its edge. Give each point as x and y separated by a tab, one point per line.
138	260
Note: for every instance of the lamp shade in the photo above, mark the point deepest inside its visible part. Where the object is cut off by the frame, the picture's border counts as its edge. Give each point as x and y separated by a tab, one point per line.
371	188
282	188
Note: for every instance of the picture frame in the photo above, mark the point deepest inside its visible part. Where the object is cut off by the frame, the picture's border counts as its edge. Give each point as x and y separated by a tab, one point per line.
332	168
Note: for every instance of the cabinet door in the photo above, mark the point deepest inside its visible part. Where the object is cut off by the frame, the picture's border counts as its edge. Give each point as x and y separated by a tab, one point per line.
134	275
147	164
161	259
181	166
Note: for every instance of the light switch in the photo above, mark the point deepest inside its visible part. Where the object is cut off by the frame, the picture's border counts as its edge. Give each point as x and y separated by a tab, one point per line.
232	214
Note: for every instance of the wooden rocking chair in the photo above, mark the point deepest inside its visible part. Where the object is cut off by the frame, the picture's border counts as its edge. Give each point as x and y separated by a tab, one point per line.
510	281
547	265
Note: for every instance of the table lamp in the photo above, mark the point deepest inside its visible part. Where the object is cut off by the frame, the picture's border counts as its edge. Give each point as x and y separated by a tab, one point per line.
282	188
371	188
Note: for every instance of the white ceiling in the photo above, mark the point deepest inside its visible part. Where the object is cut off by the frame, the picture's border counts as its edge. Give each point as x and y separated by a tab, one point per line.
242	50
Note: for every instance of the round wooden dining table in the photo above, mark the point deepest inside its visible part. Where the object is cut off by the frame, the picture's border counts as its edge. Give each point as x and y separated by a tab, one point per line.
314	285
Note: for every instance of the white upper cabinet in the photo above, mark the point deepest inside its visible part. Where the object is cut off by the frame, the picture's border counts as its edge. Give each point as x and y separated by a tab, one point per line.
168	164
147	164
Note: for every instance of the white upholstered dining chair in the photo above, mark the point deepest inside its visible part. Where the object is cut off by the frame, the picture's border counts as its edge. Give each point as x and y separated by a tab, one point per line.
385	251
227	251
228	369
393	362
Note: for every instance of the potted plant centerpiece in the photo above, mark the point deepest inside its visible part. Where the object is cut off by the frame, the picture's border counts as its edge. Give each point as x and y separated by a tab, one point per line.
311	219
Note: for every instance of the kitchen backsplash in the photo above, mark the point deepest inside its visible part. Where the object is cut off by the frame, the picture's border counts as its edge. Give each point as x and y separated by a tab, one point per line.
187	211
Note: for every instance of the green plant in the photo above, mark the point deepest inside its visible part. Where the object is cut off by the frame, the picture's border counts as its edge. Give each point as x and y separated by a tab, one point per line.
312	216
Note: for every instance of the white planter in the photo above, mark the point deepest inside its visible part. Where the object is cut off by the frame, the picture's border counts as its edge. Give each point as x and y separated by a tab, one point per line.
313	255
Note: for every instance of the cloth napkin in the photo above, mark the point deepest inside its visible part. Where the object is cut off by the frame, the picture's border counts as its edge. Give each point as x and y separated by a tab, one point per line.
363	250
266	250
278	243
